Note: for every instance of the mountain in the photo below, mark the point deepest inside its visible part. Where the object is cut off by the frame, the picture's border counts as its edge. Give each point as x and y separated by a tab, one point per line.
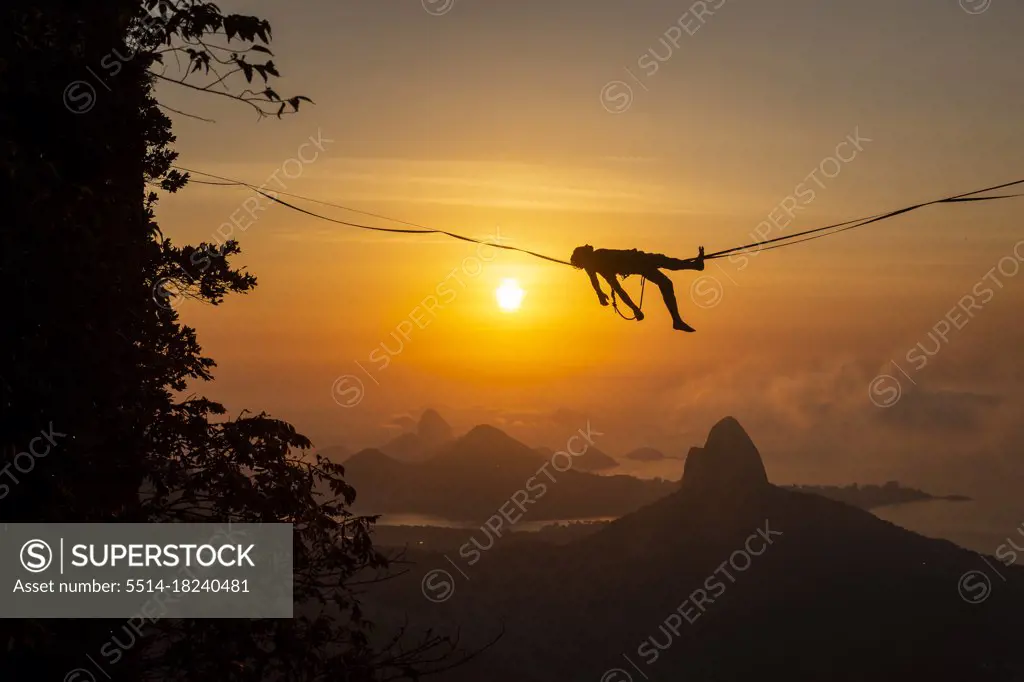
407	447
432	432
645	454
489	447
726	578
728	464
433	429
472	477
593	460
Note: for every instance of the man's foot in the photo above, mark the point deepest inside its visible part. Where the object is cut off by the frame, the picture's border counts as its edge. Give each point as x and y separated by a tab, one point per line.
639	315
682	326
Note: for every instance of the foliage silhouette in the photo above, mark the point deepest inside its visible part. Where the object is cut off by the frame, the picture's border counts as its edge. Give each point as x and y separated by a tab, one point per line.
93	347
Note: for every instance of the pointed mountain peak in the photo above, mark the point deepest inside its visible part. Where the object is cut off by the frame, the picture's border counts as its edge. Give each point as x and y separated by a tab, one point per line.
432	428
488	446
728	464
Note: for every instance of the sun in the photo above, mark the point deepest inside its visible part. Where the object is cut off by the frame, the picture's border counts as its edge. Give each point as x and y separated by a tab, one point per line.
509	295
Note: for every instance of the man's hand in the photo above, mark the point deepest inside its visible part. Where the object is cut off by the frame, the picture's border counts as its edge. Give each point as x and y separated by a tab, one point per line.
699	260
603	298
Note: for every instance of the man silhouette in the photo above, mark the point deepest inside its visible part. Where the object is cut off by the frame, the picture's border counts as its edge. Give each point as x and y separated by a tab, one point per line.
613	263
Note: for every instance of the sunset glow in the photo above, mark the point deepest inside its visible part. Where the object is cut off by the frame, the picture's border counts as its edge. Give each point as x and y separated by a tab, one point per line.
269	264
509	295
428	321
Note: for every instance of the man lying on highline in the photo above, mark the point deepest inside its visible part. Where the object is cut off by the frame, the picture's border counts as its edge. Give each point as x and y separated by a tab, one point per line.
613	263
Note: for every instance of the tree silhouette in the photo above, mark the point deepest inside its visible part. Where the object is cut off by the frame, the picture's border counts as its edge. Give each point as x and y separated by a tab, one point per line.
94	350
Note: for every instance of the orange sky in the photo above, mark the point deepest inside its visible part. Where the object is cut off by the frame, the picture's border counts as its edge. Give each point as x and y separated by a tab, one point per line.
489	120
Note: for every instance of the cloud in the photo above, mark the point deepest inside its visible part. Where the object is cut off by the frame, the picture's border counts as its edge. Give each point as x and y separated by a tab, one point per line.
942	411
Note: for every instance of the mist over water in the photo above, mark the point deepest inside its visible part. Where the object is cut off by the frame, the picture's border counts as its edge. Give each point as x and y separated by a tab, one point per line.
439	522
980	525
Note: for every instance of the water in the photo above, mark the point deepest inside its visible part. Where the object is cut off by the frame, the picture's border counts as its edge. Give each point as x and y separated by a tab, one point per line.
978	525
439	522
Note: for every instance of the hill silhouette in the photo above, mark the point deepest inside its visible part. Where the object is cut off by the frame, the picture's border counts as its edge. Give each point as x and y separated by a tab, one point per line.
646	454
469	478
432	432
726	577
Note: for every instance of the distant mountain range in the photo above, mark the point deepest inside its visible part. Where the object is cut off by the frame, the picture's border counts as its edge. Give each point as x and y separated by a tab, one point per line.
432	433
429	472
726	577
647	454
471	477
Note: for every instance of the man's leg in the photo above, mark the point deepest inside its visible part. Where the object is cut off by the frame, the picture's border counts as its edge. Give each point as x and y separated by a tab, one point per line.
664	262
668	293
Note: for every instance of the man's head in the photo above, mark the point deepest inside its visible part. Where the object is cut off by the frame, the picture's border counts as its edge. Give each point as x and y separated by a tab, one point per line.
581	256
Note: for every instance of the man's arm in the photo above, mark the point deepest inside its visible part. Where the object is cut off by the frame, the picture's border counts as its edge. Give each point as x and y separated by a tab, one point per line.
613	282
597	287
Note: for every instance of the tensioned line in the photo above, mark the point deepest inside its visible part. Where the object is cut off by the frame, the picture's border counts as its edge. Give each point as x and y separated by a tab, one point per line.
421	229
777	242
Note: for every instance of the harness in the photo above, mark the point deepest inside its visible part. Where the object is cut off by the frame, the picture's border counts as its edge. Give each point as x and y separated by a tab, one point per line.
615	304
